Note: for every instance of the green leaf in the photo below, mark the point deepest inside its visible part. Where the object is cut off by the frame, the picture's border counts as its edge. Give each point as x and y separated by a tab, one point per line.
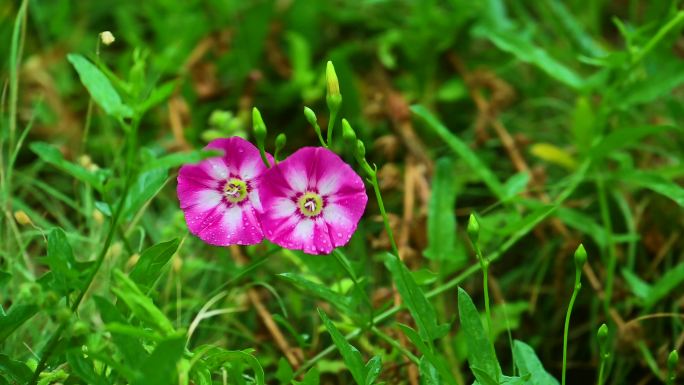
100	88
350	354
481	353
372	369
639	287
428	373
215	357
284	374
14	370
160	367
318	290
60	258
180	158
151	263
15	317
131	348
83	367
420	308
516	184
312	377
583	121
462	150
441	226
652	181
146	187
626	137
524	50
435	359
4	278
139	304
665	285
664	77
51	155
528	363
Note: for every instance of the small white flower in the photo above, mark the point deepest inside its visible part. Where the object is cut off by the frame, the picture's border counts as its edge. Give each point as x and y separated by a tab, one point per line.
107	38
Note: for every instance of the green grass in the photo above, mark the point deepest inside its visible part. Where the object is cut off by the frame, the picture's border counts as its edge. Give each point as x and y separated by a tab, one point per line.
555	123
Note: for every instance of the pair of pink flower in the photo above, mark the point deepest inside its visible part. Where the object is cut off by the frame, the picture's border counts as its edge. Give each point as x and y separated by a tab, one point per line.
312	201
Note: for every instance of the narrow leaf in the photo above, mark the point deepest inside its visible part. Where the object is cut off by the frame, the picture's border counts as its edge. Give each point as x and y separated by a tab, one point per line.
152	261
441	226
99	87
51	155
481	353
160	367
350	354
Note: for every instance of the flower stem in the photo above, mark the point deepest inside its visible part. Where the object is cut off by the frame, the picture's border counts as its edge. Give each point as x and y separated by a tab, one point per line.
575	291
484	265
54	339
381	205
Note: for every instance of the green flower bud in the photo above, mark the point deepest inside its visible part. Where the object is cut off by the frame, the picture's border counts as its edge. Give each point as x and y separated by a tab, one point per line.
310	117
281	139
602	335
473	229
348	133
360	150
580	257
672	360
259	126
331	80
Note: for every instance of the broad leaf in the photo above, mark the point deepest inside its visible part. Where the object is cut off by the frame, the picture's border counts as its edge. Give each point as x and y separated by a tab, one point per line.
51	155
481	353
528	363
160	367
151	264
350	354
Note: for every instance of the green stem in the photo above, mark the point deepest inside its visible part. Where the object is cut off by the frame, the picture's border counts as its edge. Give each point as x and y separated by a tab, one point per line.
331	125
341	259
575	291
601	369
395	344
484	266
55	338
381	205
612	258
664	30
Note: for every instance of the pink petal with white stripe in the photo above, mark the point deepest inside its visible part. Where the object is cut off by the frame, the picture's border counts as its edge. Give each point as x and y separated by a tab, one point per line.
218	195
312	201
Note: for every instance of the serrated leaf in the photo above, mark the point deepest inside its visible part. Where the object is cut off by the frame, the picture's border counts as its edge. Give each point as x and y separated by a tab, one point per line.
151	264
528	363
51	155
420	308
350	354
99	87
481	353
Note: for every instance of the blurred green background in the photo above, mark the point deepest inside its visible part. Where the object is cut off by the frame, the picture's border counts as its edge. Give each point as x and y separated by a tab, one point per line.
560	124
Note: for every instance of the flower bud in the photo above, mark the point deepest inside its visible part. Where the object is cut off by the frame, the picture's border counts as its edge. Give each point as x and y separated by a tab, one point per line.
602	335
280	141
334	98
310	117
331	80
348	133
473	229
259	126
107	38
580	257
360	149
22	218
672	360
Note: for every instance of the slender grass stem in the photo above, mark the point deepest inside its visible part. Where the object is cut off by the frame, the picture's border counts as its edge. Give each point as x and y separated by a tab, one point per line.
484	266
566	328
385	218
612	258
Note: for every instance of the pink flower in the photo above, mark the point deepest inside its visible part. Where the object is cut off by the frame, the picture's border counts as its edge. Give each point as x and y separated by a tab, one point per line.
312	201
219	195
